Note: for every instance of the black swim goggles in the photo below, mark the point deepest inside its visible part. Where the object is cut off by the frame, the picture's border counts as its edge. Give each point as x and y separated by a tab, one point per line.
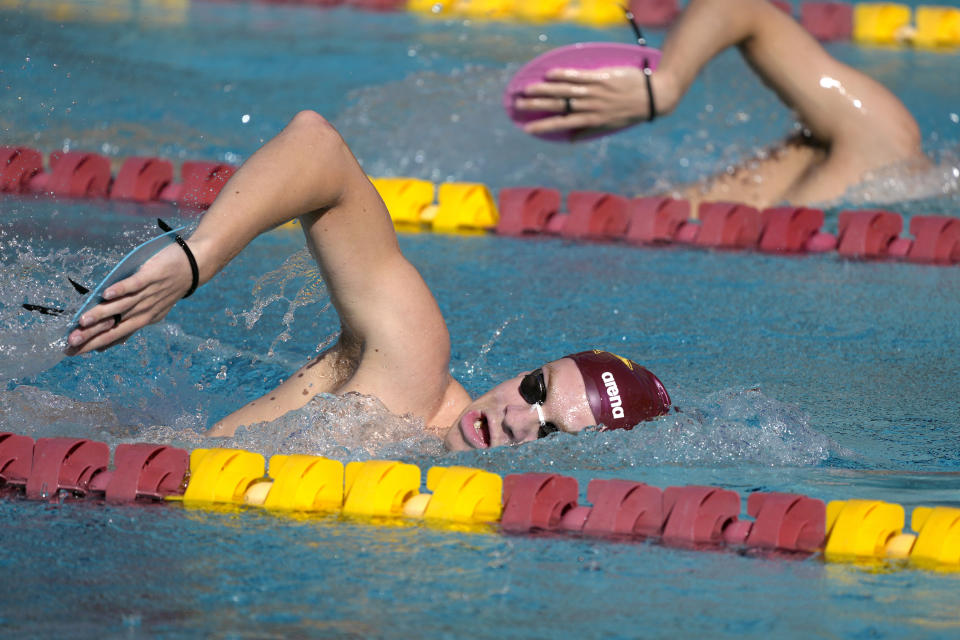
533	390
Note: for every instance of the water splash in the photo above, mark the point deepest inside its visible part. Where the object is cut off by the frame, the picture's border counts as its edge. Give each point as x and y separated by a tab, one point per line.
347	427
734	428
271	287
433	118
38	413
475	368
939	181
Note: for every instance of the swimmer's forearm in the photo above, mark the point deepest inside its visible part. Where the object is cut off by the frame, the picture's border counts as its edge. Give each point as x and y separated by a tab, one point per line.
706	28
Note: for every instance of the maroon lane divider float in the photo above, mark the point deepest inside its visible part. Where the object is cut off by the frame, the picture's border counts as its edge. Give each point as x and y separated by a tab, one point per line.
826	21
698	517
871	234
690	516
862	234
79	467
81	174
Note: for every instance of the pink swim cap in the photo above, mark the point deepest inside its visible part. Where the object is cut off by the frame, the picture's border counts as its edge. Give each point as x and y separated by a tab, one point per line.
621	393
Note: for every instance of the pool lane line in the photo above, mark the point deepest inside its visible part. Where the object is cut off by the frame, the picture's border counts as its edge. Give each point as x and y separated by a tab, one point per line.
867	23
781	525
470	208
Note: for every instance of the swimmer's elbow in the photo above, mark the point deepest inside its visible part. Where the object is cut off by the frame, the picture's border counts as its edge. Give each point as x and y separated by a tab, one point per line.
324	152
221	430
316	131
912	138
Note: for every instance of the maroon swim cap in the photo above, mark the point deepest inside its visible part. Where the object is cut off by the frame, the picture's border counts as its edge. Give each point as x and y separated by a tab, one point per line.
621	393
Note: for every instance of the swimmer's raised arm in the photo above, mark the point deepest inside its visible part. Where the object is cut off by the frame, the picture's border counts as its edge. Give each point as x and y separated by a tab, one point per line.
265	192
834	101
388	314
842	108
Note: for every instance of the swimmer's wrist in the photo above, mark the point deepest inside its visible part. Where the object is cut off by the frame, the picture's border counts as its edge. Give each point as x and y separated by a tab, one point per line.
665	92
208	264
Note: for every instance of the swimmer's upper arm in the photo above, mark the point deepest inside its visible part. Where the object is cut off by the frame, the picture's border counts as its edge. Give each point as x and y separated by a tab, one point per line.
834	101
382	300
837	103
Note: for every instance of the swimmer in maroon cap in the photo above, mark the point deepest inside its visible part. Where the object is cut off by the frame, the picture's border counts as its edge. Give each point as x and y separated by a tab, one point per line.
570	394
394	342
620	392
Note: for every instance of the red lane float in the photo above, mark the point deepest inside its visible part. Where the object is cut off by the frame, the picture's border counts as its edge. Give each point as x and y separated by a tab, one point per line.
870	234
18	165
690	516
556	224
936	240
728	225
655	220
827	20
821	242
867	234
65	464
526	209
16	458
200	186
654	13
377	5
698	515
788	229
536	501
142	179
74	174
786	521
144	471
595	215
622	507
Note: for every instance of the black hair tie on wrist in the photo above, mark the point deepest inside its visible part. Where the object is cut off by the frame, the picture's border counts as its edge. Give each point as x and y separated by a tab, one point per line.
194	270
647	71
647	75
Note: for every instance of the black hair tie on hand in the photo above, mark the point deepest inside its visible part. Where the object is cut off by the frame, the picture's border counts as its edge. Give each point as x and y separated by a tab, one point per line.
194	270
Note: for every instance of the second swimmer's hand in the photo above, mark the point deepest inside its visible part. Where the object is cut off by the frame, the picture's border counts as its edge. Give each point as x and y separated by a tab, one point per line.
591	101
129	305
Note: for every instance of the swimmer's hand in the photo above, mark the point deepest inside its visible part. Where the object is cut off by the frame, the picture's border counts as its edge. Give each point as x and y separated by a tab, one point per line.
144	298
599	99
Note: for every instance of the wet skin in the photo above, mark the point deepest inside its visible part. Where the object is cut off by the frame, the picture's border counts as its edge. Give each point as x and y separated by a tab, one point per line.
502	417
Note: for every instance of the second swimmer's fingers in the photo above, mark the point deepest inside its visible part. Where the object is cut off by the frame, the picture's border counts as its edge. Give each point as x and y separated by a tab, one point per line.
588	76
541	104
561	123
555	90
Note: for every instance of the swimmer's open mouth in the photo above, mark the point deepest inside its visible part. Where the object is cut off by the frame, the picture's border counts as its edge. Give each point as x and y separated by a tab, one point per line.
475	430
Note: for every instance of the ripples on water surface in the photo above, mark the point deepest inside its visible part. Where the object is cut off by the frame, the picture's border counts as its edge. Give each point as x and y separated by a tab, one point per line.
831	378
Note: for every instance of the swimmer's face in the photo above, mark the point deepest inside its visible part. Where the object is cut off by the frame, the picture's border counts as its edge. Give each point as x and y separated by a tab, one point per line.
502	415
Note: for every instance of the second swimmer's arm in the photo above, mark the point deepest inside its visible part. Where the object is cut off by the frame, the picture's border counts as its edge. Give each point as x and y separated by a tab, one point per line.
834	101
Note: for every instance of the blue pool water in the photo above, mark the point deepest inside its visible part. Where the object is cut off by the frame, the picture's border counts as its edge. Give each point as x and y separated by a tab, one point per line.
815	375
